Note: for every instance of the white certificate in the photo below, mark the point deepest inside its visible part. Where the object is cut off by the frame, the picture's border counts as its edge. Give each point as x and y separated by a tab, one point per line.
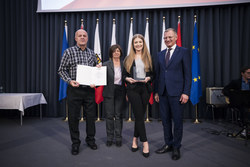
87	75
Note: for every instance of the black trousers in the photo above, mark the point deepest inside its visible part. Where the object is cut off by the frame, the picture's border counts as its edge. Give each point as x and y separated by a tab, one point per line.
77	97
113	107
138	97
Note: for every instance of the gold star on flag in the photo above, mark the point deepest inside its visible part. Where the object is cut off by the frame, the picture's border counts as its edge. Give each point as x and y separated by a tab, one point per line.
195	79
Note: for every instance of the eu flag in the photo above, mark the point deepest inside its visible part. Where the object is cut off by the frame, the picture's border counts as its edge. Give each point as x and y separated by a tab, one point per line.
196	90
63	84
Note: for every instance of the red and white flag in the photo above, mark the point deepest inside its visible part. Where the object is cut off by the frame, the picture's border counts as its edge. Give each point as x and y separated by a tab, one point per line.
163	46
179	33
130	36
97	50
146	36
113	39
82	24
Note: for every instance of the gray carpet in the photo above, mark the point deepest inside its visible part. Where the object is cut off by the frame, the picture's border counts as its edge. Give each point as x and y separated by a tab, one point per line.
46	143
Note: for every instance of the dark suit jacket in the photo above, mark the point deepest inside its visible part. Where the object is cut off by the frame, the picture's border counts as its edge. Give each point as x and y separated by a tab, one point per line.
132	86
108	90
233	85
176	76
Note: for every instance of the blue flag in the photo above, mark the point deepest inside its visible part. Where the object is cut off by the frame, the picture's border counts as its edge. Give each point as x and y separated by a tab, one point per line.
196	89
63	84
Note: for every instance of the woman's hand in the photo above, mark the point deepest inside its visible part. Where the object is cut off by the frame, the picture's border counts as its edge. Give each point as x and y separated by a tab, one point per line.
147	79
130	80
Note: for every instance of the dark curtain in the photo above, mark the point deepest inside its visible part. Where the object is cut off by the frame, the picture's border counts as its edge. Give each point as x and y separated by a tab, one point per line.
31	43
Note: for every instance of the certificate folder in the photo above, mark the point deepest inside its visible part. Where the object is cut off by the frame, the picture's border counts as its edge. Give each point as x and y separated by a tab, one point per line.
87	75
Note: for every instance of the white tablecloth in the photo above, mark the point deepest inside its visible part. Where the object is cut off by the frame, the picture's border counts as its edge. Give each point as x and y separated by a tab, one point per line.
20	101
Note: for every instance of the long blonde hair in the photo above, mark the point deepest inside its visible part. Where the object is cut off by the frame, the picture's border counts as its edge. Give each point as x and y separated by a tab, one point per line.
146	57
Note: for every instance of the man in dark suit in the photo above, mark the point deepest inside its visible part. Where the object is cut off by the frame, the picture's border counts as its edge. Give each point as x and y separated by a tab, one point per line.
172	90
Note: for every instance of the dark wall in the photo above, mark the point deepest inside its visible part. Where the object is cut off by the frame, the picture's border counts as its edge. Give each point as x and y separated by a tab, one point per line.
30	45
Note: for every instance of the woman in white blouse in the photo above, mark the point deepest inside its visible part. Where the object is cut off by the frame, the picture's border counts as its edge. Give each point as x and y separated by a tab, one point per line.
138	75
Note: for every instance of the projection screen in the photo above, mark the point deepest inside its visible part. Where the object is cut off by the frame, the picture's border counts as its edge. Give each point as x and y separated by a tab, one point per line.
106	5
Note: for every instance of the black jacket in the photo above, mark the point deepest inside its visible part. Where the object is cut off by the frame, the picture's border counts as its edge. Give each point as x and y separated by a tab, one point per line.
108	90
233	85
132	86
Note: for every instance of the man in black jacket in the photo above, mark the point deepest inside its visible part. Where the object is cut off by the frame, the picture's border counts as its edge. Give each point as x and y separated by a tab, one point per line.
242	83
238	92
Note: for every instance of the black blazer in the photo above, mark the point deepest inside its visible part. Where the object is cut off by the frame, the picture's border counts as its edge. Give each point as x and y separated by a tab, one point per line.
233	85
132	86
108	90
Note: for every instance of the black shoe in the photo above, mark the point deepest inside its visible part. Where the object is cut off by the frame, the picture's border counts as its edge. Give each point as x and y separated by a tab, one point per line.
146	155
93	146
134	149
118	143
75	150
164	149
176	154
109	143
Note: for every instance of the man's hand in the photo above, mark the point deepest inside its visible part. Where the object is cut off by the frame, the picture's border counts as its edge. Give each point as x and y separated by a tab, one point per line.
74	83
184	99
157	99
92	85
99	65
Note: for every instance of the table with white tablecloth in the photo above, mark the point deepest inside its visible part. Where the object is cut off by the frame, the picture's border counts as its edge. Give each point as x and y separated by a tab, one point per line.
21	101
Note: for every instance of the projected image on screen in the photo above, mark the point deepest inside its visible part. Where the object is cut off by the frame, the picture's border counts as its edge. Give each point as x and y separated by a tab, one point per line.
97	5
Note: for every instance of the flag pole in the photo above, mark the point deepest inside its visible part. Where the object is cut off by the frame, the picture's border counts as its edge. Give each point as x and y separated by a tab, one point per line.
196	115
129	113
147	118
67	111
98	113
82	119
